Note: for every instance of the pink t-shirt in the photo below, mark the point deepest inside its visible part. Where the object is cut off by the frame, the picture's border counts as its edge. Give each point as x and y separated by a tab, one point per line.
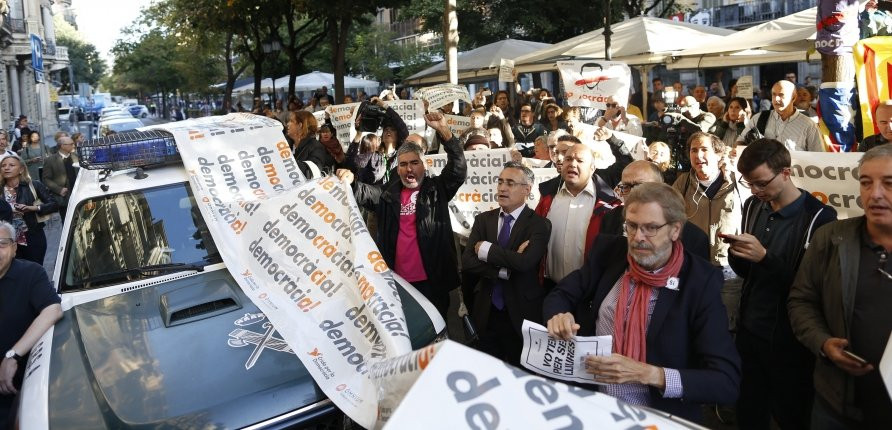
408	256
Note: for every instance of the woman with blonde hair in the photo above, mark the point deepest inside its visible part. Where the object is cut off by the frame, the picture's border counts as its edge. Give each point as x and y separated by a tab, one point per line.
301	134
23	193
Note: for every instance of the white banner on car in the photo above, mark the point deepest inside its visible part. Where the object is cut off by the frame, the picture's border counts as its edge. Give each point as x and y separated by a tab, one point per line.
478	193
441	95
463	388
558	358
300	251
590	82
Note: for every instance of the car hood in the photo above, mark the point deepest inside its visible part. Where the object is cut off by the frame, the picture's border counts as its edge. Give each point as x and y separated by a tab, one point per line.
191	353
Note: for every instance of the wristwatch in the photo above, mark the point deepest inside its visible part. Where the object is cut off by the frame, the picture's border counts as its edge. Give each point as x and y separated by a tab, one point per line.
13	355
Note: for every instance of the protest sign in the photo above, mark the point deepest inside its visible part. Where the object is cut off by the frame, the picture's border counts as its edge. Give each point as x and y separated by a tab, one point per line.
300	251
464	388
394	377
557	358
506	70
478	193
441	95
831	177
412	113
343	118
458	124
745	87
589	82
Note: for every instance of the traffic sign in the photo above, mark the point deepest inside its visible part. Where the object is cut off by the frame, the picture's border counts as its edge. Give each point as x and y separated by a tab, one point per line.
37	57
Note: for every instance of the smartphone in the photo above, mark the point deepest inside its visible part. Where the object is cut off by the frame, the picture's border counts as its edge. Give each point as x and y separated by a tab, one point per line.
487	93
855	357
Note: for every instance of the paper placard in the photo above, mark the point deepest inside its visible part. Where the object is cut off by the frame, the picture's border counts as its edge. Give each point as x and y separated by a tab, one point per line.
745	87
506	70
441	95
557	358
458	124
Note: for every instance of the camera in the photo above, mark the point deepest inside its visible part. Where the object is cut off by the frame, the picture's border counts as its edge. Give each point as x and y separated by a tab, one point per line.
371	116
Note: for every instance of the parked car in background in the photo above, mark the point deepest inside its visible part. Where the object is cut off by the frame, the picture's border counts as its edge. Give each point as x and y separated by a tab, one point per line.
117	124
138	111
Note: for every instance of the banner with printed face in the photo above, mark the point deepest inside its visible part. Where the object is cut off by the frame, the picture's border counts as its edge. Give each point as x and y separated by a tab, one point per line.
463	388
479	192
873	72
590	82
300	250
412	113
831	177
441	95
343	118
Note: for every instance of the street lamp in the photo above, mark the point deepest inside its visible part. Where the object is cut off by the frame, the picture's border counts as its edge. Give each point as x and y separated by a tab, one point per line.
272	48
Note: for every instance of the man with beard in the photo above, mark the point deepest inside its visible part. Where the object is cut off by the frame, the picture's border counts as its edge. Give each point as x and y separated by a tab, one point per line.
414	229
526	131
661	304
778	223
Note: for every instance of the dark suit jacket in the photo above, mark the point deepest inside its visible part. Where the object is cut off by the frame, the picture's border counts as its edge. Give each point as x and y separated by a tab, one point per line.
523	293
688	329
692	237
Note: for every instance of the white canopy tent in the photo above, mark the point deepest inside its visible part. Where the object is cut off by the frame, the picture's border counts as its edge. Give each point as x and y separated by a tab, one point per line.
314	80
785	39
477	63
638	41
266	86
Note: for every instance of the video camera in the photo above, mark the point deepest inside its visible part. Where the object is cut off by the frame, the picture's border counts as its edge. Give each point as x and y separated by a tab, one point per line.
371	116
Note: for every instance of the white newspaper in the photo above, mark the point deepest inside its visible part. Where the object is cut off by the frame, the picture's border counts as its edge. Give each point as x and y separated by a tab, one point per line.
560	359
300	251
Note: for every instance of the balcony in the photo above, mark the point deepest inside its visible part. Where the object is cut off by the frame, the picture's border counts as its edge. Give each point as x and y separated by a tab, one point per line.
62	54
749	13
50	49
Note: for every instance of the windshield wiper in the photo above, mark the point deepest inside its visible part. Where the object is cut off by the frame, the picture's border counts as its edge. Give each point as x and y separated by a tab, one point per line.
142	271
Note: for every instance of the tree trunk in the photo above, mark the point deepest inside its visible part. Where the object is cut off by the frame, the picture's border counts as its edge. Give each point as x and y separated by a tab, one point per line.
165	111
340	30
258	76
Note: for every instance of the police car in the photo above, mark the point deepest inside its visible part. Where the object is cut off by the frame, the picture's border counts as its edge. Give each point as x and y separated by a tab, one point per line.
156	333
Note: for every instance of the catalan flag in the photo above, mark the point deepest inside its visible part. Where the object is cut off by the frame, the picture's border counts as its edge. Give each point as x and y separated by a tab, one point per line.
873	69
836	116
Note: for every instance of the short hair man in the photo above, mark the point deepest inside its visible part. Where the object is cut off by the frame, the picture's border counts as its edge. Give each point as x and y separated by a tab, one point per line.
28	308
699	92
575	205
671	343
503	252
4	144
778	223
839	305
785	123
60	171
882	119
643	172
414	229
615	118
526	131
790	77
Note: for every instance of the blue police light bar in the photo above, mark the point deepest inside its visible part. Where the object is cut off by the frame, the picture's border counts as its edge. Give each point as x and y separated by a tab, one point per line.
128	150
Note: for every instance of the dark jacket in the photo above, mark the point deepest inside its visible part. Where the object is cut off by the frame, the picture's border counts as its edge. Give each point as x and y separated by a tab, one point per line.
693	239
605	200
433	224
688	329
310	149
25	197
522	291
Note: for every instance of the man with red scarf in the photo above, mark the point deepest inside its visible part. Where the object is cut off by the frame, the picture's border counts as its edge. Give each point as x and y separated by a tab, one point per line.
671	346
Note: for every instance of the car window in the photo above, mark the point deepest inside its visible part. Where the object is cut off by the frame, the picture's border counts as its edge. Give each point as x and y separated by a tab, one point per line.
132	230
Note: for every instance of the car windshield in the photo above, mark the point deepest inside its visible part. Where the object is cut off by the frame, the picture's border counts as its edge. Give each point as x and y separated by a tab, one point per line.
114	236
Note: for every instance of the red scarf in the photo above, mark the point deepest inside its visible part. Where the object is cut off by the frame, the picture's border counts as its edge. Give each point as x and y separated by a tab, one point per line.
629	337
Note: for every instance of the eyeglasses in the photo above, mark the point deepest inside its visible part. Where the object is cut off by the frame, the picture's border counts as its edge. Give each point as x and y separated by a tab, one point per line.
5	242
510	183
760	185
611	105
625	187
648	230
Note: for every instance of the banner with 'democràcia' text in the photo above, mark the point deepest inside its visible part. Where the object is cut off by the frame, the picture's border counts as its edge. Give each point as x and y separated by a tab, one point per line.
301	252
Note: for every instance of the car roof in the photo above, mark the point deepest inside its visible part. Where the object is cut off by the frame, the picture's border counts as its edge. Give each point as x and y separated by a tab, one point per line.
120	120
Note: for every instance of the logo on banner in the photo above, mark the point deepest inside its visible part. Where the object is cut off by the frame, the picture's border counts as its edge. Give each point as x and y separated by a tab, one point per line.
240	337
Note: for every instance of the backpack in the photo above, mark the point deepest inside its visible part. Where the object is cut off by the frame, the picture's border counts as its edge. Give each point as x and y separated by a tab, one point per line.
758	132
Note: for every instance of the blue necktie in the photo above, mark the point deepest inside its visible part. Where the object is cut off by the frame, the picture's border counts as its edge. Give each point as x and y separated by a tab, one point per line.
498	295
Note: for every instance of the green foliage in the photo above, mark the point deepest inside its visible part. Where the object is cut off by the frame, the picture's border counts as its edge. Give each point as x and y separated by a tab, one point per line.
88	65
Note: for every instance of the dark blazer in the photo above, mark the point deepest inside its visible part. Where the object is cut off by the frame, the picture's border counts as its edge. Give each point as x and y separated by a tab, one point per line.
310	149
523	293
692	237
688	329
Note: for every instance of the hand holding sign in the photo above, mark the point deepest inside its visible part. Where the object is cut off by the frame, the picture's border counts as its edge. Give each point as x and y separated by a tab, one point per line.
562	326
619	369
345	175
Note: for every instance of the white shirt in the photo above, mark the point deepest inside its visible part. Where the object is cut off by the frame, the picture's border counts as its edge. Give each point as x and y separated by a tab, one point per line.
797	133
569	216
483	252
633	126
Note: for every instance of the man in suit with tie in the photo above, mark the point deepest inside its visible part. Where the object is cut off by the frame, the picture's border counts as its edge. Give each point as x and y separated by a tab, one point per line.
504	250
60	171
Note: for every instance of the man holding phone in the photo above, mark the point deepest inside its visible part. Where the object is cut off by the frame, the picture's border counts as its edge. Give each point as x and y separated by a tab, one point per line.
778	222
839	305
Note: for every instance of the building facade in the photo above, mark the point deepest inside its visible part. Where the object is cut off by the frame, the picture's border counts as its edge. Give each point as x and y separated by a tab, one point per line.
20	93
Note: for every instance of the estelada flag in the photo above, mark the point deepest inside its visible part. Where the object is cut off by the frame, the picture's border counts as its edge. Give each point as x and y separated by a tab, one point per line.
873	68
836	117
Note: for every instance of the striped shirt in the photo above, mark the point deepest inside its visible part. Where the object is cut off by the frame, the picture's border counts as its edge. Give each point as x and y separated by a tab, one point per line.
797	133
635	394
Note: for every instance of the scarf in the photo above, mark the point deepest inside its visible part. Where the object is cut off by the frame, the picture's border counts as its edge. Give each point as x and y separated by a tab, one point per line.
334	148
629	332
